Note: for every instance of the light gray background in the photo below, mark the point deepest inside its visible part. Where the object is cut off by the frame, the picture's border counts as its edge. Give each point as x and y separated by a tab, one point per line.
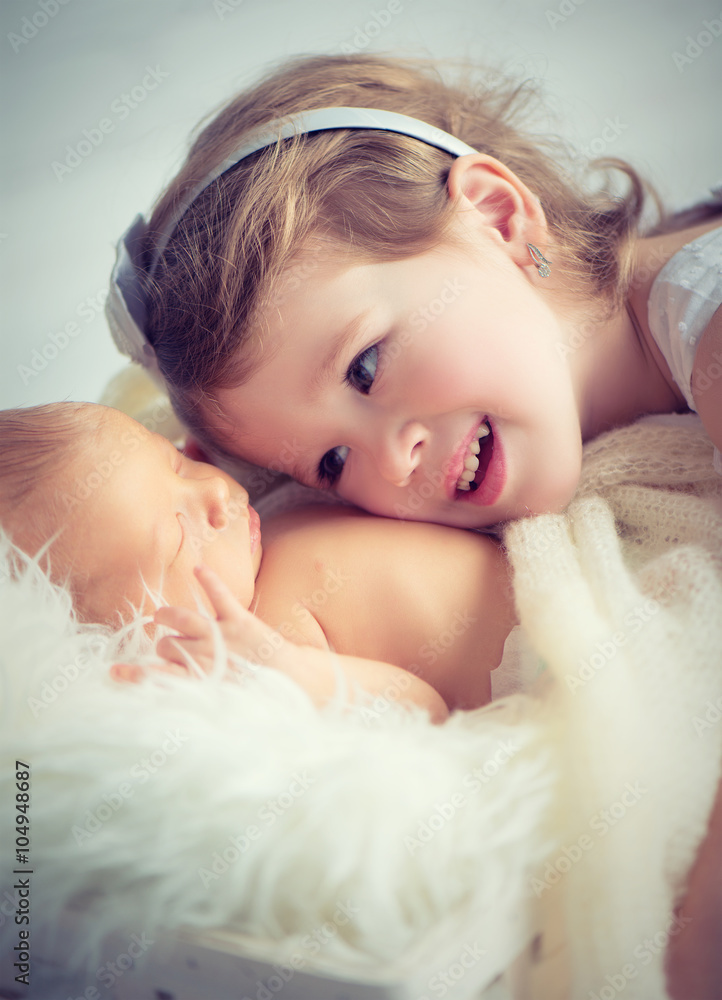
599	61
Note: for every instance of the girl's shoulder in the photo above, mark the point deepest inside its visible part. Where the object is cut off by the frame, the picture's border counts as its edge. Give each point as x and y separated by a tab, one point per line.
654	252
679	307
675	230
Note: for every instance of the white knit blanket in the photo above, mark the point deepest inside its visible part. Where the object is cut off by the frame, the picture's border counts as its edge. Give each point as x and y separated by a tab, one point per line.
215	804
622	597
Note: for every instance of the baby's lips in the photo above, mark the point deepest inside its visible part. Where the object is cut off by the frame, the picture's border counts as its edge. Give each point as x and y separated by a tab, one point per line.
254	528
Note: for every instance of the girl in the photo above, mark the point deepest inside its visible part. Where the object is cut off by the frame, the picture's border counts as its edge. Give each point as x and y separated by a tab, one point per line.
425	314
125	518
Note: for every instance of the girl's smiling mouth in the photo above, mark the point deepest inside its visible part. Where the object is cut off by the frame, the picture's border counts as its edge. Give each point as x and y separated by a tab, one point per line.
476	459
478	473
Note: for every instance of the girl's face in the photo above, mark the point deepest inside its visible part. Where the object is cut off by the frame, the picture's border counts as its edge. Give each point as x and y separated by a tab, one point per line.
377	381
137	512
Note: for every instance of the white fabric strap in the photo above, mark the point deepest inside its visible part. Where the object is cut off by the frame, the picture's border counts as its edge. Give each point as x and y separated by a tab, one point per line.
684	297
126	305
317	121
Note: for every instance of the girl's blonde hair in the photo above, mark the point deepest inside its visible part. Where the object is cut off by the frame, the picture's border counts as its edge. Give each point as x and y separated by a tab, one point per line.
370	195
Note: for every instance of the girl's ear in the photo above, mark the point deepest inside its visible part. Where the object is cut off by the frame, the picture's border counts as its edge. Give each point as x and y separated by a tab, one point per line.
501	203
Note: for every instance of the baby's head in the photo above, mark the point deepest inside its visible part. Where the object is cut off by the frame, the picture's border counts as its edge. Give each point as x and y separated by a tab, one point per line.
124	514
361	309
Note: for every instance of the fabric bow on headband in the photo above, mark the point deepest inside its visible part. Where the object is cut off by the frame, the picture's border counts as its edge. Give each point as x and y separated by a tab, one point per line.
125	307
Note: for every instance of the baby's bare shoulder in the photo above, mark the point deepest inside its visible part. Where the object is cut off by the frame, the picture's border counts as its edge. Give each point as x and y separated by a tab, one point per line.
376	586
324	529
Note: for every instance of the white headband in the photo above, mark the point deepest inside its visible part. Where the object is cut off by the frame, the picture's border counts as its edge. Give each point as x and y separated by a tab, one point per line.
126	304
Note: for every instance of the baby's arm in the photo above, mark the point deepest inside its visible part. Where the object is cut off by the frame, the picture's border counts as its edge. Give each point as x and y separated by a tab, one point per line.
707	379
314	669
434	600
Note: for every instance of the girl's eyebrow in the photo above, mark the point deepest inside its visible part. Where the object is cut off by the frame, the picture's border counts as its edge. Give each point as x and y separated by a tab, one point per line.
339	344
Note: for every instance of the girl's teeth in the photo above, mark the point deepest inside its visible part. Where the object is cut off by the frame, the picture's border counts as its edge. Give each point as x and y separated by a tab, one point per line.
471	462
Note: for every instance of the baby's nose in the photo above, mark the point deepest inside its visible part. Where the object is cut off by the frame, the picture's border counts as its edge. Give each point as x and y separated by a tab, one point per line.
216	495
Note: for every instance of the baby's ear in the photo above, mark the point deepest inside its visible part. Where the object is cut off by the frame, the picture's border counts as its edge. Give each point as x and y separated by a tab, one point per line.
192	449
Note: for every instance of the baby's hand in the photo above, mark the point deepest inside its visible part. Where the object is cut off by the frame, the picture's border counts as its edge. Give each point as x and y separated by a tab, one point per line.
317	671
199	639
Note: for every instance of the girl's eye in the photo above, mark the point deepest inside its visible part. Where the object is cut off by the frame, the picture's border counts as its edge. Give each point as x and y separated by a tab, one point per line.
331	465
362	370
360	376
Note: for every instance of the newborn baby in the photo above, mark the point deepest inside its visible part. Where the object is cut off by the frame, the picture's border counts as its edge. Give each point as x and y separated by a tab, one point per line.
128	522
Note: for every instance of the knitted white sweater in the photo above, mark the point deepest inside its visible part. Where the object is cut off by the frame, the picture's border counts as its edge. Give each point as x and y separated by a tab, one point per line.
622	598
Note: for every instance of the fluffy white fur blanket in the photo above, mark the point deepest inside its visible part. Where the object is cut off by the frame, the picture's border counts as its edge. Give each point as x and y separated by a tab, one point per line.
206	804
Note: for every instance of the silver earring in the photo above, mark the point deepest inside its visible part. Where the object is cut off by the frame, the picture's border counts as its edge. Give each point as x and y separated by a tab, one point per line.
542	264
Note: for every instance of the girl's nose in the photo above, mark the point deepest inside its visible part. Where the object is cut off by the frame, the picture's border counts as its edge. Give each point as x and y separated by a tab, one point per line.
400	453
